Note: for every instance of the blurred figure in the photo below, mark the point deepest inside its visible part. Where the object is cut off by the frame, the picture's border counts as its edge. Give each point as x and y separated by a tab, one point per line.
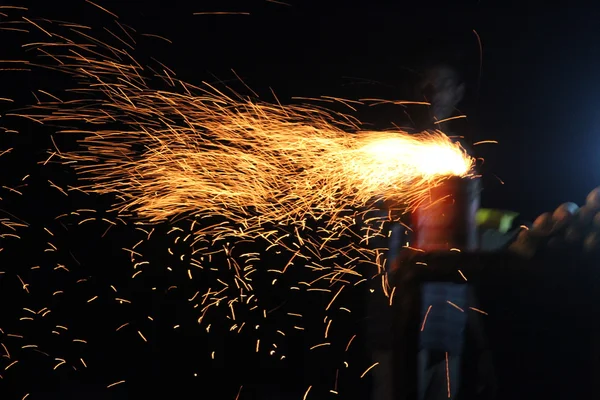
444	88
441	86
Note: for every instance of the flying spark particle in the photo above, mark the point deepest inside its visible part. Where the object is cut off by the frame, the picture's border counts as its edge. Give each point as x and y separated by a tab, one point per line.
368	369
306	393
142	336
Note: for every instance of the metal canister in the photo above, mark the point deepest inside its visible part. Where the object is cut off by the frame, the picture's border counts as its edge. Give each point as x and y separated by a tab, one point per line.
429	327
446	219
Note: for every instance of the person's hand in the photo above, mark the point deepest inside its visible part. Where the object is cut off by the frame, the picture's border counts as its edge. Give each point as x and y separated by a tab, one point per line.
569	226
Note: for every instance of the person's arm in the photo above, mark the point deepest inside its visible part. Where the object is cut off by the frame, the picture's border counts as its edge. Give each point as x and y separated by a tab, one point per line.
567	228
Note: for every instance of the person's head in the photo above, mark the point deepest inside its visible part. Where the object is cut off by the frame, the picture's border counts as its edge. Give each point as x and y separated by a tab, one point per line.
442	86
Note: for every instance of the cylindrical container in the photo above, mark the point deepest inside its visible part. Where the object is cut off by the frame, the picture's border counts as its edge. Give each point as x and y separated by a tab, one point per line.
446	219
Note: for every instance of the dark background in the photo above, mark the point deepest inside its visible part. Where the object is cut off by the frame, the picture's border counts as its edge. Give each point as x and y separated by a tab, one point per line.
534	92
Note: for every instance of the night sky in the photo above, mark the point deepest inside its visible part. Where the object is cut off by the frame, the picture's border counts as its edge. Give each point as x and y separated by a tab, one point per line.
532	87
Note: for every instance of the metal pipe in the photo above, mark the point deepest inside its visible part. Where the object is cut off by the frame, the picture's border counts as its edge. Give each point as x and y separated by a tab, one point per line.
446	219
443	222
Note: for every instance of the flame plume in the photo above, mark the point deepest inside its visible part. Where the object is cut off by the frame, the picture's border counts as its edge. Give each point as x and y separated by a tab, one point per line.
263	170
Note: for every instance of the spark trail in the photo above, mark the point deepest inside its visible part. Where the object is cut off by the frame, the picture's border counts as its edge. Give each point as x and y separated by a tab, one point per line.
178	154
239	169
228	174
175	152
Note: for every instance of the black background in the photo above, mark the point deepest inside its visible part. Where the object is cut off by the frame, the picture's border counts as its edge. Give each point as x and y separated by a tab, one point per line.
534	92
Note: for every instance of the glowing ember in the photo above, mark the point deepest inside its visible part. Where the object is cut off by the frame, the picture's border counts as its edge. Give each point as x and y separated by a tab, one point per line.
203	151
263	170
299	179
187	149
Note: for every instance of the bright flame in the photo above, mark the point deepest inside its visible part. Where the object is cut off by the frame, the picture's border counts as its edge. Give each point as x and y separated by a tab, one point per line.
180	154
393	161
266	171
190	150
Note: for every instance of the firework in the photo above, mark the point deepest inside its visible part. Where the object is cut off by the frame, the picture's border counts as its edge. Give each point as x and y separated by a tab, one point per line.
189	151
242	168
224	170
196	149
240	159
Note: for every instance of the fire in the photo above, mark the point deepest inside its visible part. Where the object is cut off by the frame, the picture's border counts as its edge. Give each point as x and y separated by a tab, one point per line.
238	169
186	150
403	165
180	154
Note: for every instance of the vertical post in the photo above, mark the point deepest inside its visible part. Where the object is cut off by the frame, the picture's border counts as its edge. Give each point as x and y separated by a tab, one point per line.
430	326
